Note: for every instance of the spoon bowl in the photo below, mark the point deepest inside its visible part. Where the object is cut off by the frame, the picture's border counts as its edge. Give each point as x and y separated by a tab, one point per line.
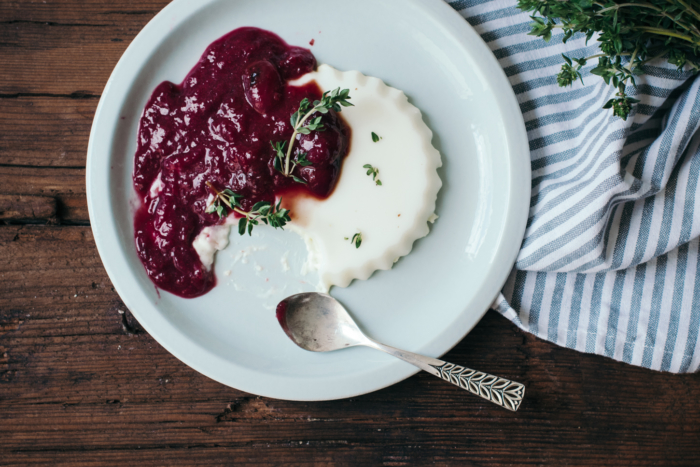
318	322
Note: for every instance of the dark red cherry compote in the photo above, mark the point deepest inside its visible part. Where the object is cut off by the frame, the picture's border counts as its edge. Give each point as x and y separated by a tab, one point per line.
214	132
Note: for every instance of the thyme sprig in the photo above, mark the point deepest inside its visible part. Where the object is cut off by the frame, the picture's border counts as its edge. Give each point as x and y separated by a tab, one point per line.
303	124
222	199
263	211
631	34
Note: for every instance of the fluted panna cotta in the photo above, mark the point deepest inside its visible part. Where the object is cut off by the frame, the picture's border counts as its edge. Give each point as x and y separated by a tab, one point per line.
390	215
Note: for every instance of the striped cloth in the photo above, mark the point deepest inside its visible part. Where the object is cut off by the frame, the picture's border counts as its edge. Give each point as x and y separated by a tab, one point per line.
609	264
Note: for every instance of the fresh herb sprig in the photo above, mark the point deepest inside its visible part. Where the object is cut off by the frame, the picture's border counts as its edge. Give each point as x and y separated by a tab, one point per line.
267	213
638	31
374	172
263	211
226	198
375	137
303	124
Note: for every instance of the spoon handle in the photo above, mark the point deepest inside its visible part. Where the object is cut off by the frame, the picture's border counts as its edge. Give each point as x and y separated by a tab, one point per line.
500	391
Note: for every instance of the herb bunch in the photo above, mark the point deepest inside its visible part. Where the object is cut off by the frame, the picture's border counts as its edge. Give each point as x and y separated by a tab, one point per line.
631	34
303	124
263	211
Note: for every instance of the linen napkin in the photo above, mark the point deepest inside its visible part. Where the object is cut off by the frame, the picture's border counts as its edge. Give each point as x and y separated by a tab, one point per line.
609	263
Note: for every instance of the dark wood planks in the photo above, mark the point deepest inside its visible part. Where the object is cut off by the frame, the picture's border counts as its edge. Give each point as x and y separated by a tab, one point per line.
66	185
45	131
80	382
60	60
66	47
92	12
56	58
19	208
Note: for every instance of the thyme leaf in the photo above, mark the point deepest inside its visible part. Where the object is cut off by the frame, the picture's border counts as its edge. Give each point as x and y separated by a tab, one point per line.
374	172
356	239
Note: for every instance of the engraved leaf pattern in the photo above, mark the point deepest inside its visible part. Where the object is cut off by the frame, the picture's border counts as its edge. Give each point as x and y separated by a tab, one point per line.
500	391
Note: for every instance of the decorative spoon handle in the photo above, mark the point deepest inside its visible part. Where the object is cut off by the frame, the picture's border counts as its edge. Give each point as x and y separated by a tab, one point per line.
500	391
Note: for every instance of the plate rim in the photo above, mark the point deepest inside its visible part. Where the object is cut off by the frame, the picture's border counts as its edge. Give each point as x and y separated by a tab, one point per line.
516	213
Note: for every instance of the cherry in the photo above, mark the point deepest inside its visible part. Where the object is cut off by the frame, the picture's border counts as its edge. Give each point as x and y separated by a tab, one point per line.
295	62
263	86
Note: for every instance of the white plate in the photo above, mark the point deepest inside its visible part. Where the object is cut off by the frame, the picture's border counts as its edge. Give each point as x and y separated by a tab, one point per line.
431	298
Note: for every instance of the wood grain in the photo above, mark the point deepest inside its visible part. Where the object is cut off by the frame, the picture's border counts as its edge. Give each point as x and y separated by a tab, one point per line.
19	208
92	12
66	185
81	383
45	131
59	60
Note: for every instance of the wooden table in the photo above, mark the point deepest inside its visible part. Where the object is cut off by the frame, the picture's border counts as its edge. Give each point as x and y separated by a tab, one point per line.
83	384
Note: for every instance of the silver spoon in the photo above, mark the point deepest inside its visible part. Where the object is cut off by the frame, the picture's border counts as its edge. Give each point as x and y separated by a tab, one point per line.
317	322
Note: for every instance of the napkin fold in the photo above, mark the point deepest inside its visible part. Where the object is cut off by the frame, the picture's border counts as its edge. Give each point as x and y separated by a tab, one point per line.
609	263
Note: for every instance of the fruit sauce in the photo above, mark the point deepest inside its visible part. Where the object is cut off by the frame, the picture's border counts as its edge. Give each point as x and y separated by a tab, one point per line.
217	127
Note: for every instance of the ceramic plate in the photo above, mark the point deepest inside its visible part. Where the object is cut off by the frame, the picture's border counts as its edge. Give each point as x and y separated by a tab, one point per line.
431	299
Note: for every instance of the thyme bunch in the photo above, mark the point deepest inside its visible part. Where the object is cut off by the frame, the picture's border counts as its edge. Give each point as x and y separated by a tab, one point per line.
631	33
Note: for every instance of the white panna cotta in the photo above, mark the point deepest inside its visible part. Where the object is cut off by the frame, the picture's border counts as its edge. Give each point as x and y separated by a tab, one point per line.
389	216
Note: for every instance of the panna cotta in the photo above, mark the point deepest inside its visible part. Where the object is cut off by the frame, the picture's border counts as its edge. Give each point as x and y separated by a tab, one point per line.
390	208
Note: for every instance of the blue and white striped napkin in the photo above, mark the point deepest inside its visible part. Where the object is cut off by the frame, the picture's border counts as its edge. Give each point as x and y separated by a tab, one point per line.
609	264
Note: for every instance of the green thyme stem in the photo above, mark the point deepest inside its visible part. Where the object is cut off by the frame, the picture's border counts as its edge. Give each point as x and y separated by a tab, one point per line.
220	196
660	31
653	58
690	10
630	66
597	55
299	124
688	27
651	7
242	212
621	5
664	32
